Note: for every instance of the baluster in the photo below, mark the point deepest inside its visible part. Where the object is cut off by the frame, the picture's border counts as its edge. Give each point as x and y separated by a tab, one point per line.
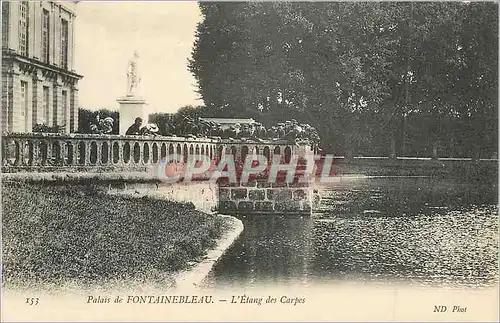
87	153
62	153
71	150
19	145
74	145
110	153
81	159
121	160
11	152
24	152
50	148
35	152
150	153
141	154
50	151
17	151
65	152
98	153
48	156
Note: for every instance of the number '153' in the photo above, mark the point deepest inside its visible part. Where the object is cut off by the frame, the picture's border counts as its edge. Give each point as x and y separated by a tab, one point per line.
32	301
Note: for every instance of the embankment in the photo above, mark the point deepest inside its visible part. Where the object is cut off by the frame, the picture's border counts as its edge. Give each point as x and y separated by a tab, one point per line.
92	232
445	167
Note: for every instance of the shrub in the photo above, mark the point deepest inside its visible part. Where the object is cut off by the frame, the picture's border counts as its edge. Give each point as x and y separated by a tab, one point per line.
88	117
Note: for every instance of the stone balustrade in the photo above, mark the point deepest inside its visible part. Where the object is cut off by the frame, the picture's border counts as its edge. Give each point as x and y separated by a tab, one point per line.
88	152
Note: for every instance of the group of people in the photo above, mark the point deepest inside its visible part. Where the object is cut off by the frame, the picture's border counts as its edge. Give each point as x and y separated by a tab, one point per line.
102	126
197	127
291	130
186	126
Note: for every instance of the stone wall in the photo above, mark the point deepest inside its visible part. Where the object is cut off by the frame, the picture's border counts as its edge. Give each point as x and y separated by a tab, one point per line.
265	198
202	195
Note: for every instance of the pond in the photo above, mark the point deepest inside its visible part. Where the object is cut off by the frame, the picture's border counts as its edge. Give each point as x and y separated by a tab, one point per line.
418	231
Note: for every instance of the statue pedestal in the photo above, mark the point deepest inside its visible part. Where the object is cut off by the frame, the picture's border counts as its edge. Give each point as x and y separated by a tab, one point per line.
131	107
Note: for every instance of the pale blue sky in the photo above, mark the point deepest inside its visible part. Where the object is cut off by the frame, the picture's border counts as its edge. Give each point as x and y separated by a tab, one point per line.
107	33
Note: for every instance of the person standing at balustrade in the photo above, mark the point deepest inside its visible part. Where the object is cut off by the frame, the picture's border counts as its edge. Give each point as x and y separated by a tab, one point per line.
281	130
218	132
260	131
245	132
271	133
106	126
135	129
232	132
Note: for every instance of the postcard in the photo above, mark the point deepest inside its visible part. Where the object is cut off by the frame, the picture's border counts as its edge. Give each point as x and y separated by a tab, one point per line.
249	161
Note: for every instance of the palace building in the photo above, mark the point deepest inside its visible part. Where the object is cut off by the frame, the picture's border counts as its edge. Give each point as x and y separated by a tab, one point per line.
39	83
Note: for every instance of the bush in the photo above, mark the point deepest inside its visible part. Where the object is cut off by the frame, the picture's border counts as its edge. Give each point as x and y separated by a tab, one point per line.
88	117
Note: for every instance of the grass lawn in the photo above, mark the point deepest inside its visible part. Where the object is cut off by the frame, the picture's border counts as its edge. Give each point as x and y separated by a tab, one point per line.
57	234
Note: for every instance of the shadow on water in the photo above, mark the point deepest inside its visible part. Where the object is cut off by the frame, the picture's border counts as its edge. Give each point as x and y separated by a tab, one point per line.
412	230
271	249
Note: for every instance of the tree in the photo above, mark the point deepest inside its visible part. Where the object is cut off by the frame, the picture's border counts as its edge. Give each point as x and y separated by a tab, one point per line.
362	73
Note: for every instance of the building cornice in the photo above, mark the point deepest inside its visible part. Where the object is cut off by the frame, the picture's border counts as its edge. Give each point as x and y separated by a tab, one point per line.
41	65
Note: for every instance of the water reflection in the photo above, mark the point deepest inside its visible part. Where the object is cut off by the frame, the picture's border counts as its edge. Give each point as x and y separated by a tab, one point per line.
412	230
271	249
404	196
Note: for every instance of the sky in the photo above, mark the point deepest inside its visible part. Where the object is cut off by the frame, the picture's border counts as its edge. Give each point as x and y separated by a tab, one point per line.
108	33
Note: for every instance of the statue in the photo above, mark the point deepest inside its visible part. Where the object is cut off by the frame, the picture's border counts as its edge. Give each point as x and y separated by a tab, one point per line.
133	77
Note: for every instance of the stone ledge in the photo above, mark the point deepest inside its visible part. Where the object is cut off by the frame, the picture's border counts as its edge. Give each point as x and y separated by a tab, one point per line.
193	277
80	176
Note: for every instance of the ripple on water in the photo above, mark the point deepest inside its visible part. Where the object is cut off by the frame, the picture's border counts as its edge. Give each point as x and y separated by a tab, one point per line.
459	246
417	231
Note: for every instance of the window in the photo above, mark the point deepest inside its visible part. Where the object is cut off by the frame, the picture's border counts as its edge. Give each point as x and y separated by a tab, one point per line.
64	106
45	106
64	43
54	109
45	36
23	28
24	93
25	105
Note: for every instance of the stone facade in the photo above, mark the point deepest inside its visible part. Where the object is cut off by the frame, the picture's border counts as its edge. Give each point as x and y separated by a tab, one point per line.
265	198
260	196
39	84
